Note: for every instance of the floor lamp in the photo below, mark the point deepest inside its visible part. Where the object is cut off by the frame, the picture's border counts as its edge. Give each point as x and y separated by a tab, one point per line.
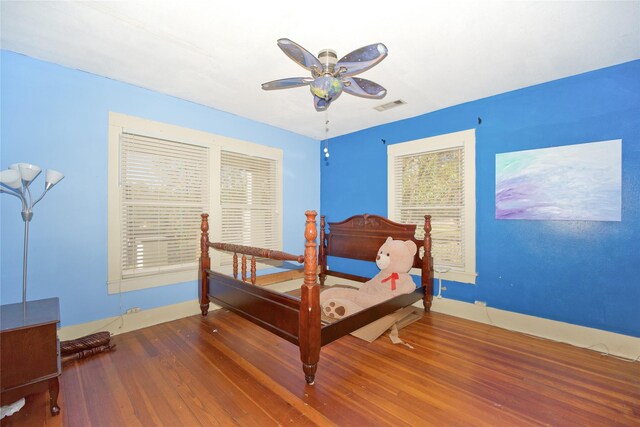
16	181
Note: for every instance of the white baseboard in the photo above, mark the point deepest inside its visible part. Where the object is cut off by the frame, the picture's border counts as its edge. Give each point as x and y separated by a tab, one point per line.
131	322
593	339
142	319
598	340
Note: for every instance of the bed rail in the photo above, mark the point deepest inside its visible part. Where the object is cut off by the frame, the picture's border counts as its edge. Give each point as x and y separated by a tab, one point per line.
253	252
259	252
309	259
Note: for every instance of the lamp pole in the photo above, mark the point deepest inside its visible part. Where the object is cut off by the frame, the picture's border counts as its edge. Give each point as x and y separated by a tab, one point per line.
26	218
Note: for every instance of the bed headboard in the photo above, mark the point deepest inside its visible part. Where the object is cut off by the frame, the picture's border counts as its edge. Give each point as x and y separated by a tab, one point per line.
360	237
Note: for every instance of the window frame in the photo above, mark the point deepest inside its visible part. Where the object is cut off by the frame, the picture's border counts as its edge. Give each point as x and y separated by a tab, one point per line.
121	123
465	139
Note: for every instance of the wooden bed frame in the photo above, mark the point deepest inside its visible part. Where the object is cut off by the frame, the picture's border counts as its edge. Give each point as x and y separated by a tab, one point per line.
298	319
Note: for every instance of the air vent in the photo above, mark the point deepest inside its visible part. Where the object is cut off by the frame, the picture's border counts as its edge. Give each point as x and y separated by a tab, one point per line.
390	105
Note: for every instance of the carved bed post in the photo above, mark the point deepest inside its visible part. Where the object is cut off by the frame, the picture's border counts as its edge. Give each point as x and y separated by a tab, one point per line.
309	324
427	265
205	264
322	256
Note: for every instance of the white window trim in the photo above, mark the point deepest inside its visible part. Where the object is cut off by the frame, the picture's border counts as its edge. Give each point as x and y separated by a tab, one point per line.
467	140
119	123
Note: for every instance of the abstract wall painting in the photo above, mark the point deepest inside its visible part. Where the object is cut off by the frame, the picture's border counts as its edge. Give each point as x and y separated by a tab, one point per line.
572	182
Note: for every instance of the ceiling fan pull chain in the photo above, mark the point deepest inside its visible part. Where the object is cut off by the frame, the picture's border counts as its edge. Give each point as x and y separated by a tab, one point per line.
326	133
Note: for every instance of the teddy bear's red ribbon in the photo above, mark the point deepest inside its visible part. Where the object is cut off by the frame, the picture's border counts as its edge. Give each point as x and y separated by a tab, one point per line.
393	278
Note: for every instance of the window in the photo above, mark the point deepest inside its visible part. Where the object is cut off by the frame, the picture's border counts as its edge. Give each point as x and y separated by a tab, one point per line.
249	201
164	187
162	177
436	176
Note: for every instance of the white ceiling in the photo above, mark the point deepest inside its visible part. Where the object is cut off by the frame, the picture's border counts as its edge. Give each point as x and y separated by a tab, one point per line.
217	53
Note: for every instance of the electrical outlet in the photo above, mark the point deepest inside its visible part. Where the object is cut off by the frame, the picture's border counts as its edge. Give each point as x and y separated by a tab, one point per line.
132	310
481	303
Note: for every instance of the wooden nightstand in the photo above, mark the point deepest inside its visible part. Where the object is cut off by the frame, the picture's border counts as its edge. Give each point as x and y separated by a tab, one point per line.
29	351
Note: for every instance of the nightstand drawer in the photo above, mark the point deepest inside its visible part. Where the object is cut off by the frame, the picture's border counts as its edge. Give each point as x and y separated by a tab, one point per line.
28	355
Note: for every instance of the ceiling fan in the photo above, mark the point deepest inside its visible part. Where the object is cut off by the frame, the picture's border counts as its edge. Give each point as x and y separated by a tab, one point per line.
330	77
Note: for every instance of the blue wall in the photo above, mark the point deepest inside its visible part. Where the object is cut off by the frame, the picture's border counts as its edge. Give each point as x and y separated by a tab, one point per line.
581	272
585	273
57	118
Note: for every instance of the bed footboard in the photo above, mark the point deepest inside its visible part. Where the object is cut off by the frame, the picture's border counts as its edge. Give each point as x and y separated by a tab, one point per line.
296	320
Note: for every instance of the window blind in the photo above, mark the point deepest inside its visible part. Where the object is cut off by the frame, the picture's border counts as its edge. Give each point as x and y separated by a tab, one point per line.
164	189
249	201
433	183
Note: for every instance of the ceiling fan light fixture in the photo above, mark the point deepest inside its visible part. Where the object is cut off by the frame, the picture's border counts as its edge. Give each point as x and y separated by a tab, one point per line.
330	76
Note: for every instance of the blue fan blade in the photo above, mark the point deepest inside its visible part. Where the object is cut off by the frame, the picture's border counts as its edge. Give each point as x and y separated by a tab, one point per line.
300	55
287	83
363	88
362	59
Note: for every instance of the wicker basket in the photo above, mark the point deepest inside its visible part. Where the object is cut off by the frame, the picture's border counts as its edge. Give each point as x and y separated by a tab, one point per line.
68	358
85	343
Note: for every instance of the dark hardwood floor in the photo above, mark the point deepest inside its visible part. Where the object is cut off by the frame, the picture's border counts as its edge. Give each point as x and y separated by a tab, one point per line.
223	370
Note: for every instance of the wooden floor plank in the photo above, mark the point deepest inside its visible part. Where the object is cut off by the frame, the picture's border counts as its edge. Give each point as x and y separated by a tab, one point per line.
223	370
237	401
256	384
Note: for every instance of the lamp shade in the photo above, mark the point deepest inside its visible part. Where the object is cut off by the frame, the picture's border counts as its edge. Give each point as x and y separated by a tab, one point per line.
28	172
11	178
52	177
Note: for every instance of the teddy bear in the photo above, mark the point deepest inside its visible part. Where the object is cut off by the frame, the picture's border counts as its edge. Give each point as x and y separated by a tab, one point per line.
394	259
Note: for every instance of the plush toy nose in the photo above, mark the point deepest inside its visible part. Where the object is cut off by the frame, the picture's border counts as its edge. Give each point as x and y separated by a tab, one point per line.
378	258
